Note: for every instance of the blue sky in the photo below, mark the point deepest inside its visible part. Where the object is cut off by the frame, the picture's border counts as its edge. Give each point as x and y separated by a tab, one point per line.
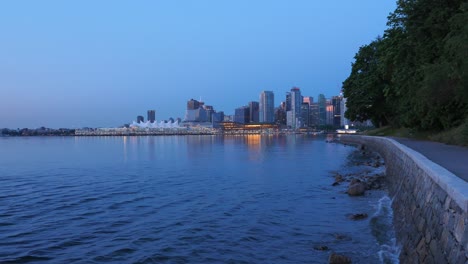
102	63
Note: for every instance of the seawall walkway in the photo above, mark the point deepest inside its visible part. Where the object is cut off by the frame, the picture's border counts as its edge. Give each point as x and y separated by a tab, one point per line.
430	203
452	158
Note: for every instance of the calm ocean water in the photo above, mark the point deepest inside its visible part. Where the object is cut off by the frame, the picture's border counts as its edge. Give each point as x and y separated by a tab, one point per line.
187	199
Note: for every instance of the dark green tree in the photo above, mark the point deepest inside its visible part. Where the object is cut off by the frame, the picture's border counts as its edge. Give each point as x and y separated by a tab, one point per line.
416	74
365	85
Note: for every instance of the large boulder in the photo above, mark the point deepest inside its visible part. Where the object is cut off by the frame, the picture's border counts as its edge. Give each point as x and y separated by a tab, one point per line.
356	188
339	178
321	248
357	216
338	259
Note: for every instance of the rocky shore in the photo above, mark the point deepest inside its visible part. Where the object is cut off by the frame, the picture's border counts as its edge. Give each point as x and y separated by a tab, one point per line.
429	202
364	174
368	173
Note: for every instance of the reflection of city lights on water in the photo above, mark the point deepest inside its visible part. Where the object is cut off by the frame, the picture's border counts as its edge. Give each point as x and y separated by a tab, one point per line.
254	141
125	148
254	146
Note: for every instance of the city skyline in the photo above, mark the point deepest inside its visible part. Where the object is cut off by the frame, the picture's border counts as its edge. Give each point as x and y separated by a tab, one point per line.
290	101
296	111
98	63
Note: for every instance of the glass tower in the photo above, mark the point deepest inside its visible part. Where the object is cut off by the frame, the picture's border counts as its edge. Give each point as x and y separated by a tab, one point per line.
296	103
267	107
151	115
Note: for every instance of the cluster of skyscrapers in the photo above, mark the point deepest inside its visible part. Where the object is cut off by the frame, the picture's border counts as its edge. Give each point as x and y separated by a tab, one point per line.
197	111
296	111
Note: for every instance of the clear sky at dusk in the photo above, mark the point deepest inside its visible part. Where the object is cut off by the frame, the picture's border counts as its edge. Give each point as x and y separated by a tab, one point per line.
102	63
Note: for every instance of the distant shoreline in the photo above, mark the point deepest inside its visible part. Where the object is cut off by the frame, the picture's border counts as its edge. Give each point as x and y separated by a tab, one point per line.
244	133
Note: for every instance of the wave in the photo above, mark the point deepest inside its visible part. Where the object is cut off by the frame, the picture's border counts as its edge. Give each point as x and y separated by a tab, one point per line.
383	230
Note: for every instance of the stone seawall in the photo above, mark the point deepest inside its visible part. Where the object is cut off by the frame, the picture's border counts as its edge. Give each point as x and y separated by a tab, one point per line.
430	203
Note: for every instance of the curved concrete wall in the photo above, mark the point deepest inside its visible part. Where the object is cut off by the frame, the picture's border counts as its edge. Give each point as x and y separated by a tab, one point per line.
430	203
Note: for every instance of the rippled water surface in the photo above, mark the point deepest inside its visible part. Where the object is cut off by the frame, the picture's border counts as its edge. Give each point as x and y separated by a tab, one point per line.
192	199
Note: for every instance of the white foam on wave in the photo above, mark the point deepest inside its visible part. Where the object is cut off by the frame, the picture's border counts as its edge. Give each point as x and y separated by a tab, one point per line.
389	254
383	230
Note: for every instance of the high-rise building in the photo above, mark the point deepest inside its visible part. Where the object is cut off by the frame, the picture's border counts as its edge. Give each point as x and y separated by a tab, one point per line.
305	110
196	111
193	104
288	101
140	119
344	120
289	119
308	99
267	107
322	110
254	112
242	115
306	113
228	118
294	118
336	102
280	115
329	113
209	112
151	115
217	117
314	115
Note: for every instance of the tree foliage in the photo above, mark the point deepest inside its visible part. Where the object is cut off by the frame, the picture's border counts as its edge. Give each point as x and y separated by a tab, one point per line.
415	75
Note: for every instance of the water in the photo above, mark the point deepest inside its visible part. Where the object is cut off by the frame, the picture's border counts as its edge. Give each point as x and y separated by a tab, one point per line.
382	229
192	199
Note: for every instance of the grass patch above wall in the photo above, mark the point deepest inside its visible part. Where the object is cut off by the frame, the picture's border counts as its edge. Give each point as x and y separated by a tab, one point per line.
398	132
455	136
